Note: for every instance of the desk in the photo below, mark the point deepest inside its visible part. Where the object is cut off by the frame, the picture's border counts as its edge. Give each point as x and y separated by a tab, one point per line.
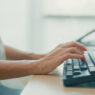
53	85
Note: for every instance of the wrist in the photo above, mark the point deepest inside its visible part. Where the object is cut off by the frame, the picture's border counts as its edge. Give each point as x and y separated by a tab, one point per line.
38	67
35	56
34	67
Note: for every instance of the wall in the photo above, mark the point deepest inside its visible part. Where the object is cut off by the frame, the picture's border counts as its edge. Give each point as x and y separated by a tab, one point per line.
13	22
39	25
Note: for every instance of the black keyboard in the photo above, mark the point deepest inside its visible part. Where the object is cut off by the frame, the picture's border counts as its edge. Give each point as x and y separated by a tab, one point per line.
76	71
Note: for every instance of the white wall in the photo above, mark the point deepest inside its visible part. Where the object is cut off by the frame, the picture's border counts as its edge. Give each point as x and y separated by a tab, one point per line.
61	30
69	7
13	22
40	25
36	33
67	20
21	24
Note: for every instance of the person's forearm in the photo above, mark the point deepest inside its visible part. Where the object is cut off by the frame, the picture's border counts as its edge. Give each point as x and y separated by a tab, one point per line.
14	69
14	54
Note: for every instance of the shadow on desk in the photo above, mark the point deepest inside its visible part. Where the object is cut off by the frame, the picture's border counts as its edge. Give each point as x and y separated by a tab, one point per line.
9	91
86	85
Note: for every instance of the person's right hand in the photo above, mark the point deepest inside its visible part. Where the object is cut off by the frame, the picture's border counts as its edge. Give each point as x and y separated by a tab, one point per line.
58	56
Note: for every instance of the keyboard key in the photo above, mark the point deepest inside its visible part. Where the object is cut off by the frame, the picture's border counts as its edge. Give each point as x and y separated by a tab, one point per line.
69	74
68	64
76	67
92	70
69	67
76	64
83	65
92	56
69	61
88	60
77	72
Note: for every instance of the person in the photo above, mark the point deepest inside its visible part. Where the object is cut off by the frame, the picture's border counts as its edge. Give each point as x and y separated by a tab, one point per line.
15	63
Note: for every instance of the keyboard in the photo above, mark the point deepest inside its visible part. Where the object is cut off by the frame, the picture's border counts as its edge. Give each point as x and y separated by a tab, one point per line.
75	71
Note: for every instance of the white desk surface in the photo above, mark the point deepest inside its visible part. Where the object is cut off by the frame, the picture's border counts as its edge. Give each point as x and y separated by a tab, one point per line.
53	85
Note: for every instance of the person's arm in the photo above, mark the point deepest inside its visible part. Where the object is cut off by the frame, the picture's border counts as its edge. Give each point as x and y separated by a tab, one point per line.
14	54
14	69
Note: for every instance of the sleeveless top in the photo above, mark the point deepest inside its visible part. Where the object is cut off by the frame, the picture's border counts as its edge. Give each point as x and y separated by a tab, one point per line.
11	83
2	51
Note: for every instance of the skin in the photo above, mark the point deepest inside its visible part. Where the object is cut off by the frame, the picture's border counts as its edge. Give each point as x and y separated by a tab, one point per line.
19	64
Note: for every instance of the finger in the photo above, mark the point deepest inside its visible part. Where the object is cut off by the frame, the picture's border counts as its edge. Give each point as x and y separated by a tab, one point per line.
64	58
78	45
73	50
70	55
83	59
73	44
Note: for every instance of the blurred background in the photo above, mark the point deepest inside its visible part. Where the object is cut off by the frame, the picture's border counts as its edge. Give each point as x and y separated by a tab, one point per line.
40	25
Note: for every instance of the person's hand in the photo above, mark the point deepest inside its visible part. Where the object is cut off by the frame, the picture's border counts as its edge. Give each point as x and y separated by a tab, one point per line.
58	56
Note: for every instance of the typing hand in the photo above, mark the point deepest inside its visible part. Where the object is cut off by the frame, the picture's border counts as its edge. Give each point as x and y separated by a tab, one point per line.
59	55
